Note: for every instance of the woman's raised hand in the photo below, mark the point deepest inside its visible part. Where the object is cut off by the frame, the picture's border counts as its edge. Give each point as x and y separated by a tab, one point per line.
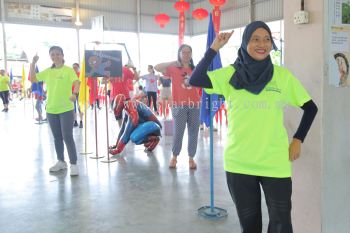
220	40
35	59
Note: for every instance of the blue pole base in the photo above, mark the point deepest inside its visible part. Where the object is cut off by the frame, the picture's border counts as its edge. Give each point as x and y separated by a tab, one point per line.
213	213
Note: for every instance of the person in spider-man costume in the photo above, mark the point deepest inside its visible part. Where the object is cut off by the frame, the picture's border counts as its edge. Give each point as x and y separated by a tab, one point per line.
140	125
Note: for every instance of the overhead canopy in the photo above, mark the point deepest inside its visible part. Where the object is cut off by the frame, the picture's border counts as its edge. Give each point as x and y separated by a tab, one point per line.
137	15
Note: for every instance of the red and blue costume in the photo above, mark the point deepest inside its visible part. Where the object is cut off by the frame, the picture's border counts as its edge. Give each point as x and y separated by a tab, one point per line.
140	125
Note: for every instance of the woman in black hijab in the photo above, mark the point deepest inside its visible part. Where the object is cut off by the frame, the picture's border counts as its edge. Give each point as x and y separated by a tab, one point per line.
257	151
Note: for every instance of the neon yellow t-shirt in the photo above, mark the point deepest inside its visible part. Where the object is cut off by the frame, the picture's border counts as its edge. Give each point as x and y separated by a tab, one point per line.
4	83
59	83
257	139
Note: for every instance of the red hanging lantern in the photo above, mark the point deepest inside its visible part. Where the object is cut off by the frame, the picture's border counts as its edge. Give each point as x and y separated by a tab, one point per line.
181	6
217	2
162	19
200	13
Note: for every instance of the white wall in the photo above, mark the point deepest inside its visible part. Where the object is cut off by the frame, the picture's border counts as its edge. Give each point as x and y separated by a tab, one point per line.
336	149
304	57
321	192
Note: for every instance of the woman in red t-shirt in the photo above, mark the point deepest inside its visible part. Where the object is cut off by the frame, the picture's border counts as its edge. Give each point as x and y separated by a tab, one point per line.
185	103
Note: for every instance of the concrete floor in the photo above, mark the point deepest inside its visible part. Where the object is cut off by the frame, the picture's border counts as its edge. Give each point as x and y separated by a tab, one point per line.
136	194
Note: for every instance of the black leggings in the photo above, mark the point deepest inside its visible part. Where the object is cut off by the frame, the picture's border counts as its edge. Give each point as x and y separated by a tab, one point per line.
153	95
246	194
4	96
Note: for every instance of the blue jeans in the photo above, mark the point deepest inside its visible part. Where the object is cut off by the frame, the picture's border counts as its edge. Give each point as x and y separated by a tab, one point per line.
246	194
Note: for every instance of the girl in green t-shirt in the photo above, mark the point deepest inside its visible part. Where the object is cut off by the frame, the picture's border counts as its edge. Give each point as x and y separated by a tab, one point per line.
59	80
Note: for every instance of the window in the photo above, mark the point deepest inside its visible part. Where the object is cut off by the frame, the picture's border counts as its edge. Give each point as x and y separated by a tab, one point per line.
24	41
158	48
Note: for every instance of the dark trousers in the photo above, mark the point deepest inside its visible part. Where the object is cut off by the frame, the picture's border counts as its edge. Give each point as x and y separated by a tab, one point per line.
246	194
152	95
62	129
4	95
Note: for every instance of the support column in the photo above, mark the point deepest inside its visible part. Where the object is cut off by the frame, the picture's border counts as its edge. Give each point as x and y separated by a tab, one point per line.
305	42
2	6
251	10
138	8
78	24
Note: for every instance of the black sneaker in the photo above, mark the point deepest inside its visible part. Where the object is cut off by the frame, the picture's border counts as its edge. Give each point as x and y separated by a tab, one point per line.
6	110
81	124
75	124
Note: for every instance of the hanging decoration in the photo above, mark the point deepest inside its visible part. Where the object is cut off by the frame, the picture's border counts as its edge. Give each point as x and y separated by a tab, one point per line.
217	13
181	6
200	13
162	19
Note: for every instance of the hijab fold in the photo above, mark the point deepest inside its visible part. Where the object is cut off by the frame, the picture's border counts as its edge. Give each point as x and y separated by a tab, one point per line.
250	74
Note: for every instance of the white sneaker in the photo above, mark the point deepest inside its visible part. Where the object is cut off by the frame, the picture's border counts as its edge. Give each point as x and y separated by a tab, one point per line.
60	165
74	170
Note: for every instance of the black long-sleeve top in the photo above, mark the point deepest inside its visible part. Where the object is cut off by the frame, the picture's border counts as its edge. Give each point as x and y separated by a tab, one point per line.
200	78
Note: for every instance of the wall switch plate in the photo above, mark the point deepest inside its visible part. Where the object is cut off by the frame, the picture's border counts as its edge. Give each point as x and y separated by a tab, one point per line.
301	17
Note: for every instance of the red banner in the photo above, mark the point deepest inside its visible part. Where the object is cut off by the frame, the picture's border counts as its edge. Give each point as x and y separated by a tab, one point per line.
181	27
216	18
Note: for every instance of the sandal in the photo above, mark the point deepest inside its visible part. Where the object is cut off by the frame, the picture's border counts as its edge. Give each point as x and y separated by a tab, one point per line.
192	164
172	163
